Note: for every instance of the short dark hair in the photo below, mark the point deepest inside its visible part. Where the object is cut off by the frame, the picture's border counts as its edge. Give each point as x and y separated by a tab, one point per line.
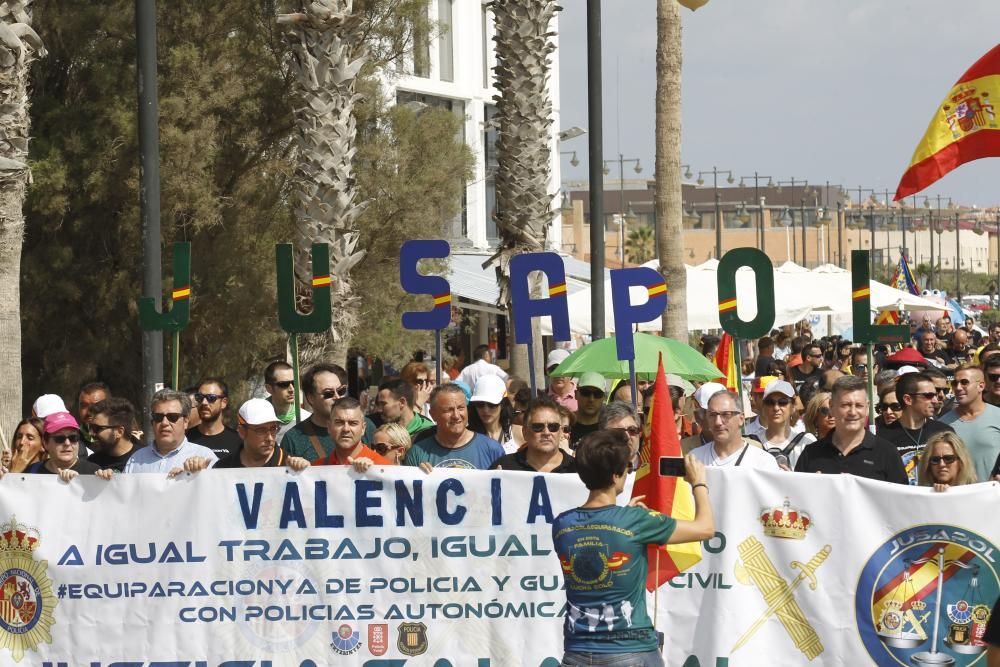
765	343
602	455
935	373
907	383
797	344
91	387
993	360
847	384
273	368
120	412
540	403
346	403
309	378
480	352
399	389
213	379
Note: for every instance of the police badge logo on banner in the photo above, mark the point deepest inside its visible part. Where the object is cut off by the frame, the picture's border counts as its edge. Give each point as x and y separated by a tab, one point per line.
26	599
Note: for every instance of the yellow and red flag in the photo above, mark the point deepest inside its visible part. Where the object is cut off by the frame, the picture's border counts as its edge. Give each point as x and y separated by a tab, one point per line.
725	361
964	127
667	495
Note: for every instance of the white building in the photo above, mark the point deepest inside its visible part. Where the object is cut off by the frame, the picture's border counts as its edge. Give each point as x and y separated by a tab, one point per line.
455	71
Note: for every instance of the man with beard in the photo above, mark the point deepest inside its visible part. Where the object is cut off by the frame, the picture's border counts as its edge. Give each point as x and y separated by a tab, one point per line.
258	429
211	401
111	424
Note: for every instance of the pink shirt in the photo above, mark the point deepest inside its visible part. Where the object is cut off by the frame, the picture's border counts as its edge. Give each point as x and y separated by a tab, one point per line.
568	401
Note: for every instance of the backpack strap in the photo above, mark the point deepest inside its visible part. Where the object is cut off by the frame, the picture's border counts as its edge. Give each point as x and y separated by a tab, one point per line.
311	432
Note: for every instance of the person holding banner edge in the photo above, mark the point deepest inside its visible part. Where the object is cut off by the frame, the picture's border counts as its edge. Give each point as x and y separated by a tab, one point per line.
602	550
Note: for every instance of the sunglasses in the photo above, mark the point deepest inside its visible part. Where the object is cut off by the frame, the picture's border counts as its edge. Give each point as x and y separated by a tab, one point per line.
963	382
927	395
947	459
825	411
781	402
589	392
98	428
172	417
891	407
859	367
339	392
994	377
211	398
284	384
632	431
538	427
422	382
72	438
264	430
382	449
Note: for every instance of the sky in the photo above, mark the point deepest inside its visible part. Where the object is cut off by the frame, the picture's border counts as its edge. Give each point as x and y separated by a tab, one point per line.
823	90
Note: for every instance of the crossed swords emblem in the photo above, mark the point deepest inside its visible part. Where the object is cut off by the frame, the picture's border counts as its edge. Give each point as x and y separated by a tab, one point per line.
756	568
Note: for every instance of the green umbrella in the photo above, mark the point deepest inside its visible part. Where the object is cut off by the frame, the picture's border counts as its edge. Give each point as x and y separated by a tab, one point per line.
601	356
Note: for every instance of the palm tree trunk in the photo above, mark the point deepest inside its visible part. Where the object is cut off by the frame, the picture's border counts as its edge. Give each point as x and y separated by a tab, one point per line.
19	47
328	49
668	166
524	112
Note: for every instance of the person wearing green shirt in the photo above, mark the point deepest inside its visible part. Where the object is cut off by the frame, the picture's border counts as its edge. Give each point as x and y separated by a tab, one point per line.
602	552
395	402
322	385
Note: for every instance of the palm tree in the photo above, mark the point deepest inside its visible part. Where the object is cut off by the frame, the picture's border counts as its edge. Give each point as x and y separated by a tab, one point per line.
19	47
668	166
524	113
640	246
328	53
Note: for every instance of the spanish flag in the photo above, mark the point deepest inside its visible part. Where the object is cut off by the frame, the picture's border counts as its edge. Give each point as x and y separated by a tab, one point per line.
963	129
667	495
725	361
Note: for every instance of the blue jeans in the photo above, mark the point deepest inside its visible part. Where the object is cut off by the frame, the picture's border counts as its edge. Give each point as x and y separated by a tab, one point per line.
587	659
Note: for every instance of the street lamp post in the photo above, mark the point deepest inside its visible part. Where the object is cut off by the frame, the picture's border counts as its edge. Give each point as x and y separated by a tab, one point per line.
958	261
803	184
927	205
840	233
621	197
718	203
760	202
871	222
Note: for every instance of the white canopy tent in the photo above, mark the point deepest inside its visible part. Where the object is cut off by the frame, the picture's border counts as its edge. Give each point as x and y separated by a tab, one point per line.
798	292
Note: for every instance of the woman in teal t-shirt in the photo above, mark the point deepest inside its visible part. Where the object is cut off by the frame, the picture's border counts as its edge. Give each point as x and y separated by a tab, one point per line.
602	550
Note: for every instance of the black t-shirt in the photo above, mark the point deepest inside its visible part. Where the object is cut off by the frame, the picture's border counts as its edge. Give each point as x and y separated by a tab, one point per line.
763	365
874	458
117	463
798	376
82	466
519	461
955	357
992	635
910	444
580	430
223	444
233	460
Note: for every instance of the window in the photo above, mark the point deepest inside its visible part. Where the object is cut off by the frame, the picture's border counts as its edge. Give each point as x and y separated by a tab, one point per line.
446	42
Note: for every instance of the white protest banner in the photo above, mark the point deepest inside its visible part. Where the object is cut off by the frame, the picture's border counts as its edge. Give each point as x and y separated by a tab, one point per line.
395	568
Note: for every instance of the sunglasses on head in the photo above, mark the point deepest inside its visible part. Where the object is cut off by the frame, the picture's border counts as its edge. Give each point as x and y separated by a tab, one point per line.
72	438
172	417
590	392
339	392
538	427
947	459
781	402
211	398
284	384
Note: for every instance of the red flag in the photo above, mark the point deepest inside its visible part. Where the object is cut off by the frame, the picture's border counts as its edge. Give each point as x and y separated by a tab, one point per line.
725	361
964	127
666	495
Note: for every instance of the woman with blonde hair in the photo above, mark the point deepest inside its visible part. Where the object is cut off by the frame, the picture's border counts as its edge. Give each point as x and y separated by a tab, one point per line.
817	418
391	441
945	462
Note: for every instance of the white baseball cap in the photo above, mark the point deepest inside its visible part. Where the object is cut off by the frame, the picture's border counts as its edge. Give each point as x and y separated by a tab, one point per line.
489	389
779	387
257	411
556	357
903	370
48	404
707	391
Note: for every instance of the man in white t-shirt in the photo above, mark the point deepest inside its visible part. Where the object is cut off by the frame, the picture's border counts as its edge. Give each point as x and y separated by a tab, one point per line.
728	446
483	365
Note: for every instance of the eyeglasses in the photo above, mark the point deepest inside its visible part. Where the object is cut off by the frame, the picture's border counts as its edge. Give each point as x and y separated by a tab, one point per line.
589	392
538	427
726	415
264	430
339	392
780	402
891	407
211	398
961	382
172	417
284	384
947	459
72	438
632	431
382	449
